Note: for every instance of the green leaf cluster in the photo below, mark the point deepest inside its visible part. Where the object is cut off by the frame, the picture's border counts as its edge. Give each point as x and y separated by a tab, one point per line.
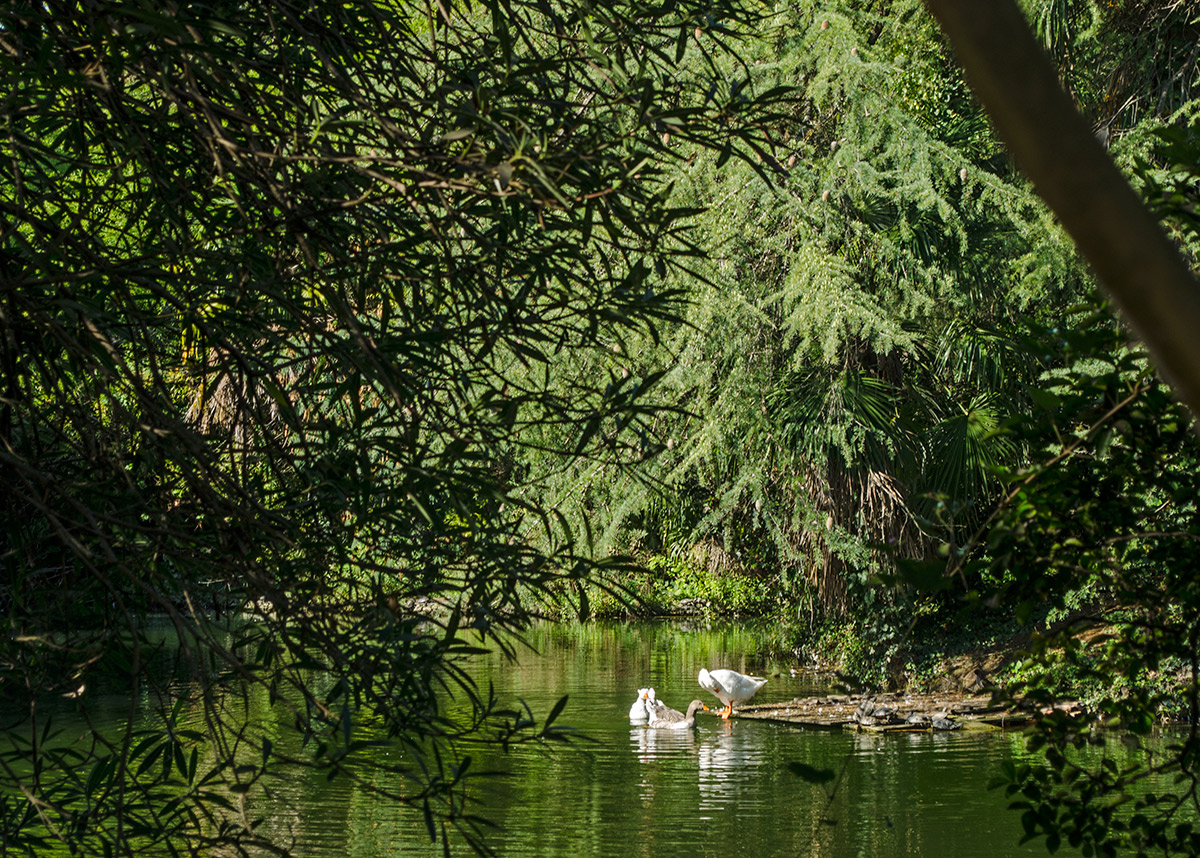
853	341
286	301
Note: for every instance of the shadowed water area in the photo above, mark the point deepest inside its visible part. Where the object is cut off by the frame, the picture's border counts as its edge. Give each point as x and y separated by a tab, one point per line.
616	789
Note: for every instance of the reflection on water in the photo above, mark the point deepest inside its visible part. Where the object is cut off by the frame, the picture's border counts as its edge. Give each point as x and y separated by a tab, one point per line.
723	789
729	761
652	744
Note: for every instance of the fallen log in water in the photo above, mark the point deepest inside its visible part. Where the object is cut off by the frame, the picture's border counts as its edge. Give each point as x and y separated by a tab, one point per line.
838	711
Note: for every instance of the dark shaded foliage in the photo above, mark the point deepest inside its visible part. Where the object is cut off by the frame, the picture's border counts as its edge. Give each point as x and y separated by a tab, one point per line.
283	286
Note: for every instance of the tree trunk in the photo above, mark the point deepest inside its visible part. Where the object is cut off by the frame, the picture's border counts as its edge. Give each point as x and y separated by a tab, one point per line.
1052	144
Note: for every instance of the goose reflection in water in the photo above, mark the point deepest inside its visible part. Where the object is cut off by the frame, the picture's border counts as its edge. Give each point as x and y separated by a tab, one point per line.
728	763
654	749
650	744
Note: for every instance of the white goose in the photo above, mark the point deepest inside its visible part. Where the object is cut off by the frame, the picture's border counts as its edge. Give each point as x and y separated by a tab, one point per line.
640	710
730	686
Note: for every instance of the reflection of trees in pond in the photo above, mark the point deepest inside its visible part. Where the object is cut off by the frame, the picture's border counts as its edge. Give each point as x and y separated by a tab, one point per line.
723	787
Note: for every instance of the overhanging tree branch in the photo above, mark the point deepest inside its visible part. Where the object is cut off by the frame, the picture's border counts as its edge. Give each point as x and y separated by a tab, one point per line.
1053	145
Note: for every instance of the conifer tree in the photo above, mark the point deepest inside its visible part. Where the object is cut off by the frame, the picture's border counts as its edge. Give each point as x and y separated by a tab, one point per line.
850	348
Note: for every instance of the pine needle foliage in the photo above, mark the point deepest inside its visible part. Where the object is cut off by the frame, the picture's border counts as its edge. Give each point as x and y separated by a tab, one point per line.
846	358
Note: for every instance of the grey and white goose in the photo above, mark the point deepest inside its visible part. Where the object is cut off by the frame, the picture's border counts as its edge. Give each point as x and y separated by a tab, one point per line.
672	719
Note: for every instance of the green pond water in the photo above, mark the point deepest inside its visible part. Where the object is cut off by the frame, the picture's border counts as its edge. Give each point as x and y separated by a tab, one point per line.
723	790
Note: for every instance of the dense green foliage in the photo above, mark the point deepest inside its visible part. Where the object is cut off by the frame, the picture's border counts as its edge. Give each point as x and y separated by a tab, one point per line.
285	292
888	378
1100	530
350	337
1094	540
853	340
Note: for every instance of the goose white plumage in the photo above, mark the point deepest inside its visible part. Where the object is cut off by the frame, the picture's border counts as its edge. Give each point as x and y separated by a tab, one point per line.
640	710
730	687
669	721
